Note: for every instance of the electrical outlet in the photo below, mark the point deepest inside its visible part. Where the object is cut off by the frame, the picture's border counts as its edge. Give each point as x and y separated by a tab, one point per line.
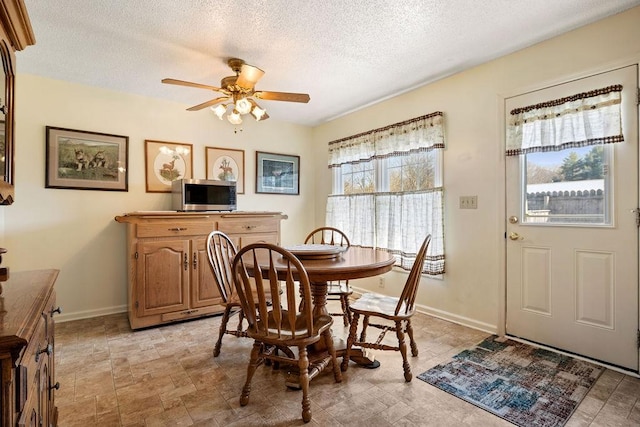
468	202
381	282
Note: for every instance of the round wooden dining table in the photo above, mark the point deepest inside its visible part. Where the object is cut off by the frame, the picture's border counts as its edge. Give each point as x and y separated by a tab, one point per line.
353	263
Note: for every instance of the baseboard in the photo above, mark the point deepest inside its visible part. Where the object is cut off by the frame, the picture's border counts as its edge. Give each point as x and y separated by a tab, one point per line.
87	314
445	315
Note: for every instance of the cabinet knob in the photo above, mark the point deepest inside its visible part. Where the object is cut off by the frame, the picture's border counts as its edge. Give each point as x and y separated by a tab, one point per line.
56	386
195	260
48	349
56	310
186	262
177	229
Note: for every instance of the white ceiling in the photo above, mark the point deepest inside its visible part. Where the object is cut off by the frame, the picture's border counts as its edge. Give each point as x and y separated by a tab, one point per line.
345	54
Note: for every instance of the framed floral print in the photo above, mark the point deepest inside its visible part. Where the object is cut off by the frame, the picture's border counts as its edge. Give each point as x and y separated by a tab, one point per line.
226	164
166	162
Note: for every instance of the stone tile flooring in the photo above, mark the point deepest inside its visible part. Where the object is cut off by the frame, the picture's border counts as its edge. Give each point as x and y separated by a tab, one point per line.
166	376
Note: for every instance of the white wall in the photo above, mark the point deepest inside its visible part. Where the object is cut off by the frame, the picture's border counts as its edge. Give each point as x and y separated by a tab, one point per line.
473	286
75	230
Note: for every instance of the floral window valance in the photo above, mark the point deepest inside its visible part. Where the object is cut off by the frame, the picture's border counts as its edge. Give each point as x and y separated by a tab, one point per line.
421	133
580	120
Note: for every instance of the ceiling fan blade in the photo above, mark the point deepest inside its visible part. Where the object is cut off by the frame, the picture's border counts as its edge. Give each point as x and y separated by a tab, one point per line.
249	76
282	96
191	84
208	103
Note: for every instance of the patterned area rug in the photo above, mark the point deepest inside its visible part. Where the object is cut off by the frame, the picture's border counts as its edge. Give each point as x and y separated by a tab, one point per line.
525	385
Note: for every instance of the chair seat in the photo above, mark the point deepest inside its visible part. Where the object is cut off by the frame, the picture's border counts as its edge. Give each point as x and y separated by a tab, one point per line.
338	288
320	324
380	305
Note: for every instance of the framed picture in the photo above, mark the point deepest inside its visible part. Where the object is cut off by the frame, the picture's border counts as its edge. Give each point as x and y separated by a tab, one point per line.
226	164
82	160
166	162
277	173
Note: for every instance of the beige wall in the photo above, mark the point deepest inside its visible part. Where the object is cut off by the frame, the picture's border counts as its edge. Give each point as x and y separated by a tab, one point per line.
75	231
472	289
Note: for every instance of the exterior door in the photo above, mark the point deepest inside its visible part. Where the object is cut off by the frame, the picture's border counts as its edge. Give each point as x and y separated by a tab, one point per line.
572	238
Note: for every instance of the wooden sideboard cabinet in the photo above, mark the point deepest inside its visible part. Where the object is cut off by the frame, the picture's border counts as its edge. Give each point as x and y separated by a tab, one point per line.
27	344
169	277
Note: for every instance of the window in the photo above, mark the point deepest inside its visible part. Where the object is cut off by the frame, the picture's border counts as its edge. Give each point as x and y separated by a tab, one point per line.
566	157
387	189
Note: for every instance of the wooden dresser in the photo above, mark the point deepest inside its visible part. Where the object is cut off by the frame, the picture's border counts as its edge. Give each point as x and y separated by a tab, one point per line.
169	277
27	308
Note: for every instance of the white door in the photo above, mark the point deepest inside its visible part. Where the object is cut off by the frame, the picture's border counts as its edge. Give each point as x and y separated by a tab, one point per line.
572	238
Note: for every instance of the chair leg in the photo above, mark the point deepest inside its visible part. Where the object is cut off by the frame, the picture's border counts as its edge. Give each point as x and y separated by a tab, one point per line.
240	321
363	334
414	347
251	369
403	350
352	338
344	302
328	339
223	329
303	365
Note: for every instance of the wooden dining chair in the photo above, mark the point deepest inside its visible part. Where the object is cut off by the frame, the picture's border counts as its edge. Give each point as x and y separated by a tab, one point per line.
395	309
339	289
221	251
284	323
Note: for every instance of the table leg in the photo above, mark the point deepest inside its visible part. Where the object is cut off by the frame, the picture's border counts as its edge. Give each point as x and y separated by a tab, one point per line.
361	356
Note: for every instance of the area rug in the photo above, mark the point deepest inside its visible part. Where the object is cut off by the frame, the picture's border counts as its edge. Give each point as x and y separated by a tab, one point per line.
522	384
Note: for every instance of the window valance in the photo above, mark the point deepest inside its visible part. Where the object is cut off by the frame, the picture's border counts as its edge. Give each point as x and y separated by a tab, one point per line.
421	133
580	120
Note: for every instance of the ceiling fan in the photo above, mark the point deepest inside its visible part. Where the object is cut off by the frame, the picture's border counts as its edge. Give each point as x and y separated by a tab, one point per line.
239	92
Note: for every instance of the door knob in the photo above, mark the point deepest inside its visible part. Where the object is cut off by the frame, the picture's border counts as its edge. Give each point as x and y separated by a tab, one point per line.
515	236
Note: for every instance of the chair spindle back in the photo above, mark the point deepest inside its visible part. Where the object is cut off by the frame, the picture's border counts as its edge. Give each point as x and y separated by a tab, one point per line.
259	269
221	251
407	299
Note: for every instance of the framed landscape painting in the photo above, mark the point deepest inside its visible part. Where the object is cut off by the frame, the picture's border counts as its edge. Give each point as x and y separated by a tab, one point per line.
83	160
277	173
226	164
166	162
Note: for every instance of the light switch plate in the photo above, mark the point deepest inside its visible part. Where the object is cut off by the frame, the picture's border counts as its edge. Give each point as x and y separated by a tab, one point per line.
468	202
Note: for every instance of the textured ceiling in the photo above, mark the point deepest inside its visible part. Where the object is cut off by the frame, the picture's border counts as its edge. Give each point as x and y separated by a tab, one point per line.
345	54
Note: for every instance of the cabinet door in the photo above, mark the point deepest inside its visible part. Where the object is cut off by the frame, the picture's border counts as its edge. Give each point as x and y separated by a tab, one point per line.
204	291
162	277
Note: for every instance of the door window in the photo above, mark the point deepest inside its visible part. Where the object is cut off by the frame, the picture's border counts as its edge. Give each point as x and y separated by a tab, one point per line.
568	187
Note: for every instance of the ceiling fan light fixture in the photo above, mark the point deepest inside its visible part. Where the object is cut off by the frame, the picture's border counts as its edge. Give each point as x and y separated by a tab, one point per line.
219	110
258	112
243	106
234	118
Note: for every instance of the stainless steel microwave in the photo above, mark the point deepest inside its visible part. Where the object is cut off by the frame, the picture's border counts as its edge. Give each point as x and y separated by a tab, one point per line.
203	195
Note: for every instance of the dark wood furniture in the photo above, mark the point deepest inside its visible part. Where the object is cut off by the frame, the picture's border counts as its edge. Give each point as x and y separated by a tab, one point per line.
170	278
15	34
339	289
221	251
27	349
277	320
396	310
354	263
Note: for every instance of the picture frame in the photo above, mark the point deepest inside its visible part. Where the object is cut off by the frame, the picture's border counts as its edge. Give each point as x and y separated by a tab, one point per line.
277	173
85	160
166	162
226	164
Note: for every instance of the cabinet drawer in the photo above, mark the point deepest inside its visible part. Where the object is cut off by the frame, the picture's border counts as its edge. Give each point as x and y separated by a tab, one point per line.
174	229
256	225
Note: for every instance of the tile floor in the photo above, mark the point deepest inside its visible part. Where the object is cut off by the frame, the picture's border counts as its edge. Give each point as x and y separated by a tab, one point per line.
167	376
